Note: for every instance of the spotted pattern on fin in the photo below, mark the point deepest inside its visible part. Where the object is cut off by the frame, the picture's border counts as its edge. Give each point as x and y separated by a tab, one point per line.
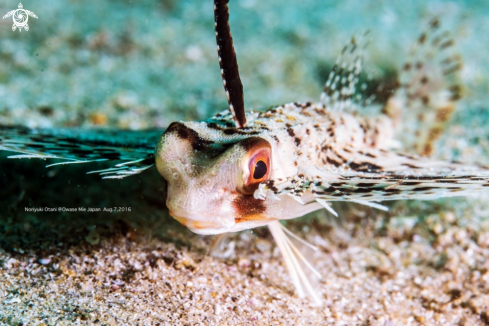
341	90
429	89
368	187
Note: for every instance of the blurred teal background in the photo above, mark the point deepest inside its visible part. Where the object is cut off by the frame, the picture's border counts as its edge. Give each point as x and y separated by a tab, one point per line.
140	64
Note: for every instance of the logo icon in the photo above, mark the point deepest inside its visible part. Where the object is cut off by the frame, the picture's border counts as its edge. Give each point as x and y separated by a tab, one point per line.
20	17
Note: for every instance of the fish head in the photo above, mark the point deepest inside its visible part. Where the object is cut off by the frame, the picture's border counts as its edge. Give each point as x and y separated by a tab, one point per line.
212	177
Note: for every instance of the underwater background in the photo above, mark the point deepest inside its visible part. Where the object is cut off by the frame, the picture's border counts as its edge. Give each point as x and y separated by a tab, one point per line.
144	64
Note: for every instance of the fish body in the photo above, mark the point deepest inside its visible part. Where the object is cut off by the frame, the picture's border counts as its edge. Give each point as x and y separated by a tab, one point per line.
205	163
316	154
228	174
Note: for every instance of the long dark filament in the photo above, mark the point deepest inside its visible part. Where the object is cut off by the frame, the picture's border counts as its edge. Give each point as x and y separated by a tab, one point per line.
228	63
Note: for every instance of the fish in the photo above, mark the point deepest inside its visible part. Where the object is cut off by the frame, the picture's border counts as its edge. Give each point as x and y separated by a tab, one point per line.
245	169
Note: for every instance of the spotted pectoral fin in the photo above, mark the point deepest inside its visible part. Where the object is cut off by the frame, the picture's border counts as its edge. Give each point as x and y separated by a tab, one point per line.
364	188
343	89
388	176
429	89
131	151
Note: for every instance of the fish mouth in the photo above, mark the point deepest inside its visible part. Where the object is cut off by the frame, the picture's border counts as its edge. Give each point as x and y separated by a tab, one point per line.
210	228
202	227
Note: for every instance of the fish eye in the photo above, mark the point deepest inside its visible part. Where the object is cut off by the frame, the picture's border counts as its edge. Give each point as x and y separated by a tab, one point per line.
256	164
260	170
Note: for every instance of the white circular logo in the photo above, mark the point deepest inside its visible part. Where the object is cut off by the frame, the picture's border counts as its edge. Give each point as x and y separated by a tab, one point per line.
20	17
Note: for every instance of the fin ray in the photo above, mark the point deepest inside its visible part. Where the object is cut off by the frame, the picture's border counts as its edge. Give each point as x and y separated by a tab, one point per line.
341	88
293	258
131	151
429	89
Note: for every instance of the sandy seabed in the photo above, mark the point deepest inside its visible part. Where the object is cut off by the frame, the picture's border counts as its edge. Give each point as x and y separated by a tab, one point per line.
422	263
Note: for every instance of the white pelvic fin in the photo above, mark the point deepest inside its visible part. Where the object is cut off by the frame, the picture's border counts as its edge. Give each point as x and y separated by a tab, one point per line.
294	259
326	205
371	204
219	249
299	239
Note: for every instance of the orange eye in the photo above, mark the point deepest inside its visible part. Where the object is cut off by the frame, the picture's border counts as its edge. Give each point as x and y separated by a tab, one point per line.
257	164
259	167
